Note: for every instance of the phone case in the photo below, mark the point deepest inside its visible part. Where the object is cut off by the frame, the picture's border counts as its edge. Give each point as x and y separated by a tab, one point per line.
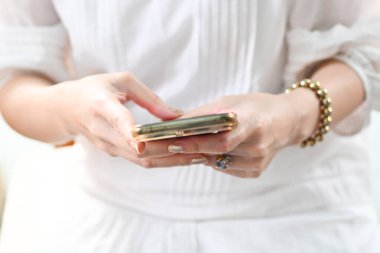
185	127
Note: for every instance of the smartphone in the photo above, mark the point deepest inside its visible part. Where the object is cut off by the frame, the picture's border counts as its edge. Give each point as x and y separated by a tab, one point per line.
208	124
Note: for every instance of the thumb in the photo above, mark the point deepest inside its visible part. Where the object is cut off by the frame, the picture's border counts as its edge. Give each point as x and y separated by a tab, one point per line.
144	96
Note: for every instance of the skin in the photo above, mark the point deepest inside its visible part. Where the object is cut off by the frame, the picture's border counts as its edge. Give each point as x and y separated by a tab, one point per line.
93	107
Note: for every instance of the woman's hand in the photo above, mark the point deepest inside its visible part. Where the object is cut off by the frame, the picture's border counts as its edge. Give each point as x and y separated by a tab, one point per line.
93	107
266	124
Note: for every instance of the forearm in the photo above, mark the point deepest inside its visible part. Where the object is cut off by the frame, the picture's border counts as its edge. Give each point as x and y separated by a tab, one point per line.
344	87
27	104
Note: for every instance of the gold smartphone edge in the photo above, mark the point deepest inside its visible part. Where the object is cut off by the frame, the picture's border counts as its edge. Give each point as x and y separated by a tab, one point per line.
188	132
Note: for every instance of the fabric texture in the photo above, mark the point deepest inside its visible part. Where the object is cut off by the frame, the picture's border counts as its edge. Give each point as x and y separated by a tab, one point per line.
191	53
355	45
56	215
32	39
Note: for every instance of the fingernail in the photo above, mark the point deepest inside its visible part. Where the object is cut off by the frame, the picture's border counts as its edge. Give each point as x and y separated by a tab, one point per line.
138	147
175	149
202	160
176	110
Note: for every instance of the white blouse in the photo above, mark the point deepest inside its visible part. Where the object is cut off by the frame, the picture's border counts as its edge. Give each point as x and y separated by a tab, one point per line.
190	53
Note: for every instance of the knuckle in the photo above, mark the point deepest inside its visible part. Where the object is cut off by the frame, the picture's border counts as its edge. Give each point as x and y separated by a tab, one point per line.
99	100
139	155
127	76
260	166
156	99
96	103
93	129
255	174
101	145
260	130
259	150
228	142
260	127
234	137
92	110
125	148
115	120
147	163
105	147
225	145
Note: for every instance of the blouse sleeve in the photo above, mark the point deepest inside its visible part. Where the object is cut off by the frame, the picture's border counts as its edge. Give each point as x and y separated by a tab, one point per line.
31	39
348	33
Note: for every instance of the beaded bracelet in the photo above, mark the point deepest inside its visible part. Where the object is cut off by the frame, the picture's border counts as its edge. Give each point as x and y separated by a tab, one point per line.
325	110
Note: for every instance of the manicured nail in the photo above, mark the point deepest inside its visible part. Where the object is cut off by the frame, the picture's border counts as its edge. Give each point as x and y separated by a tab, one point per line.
138	147
175	149
202	160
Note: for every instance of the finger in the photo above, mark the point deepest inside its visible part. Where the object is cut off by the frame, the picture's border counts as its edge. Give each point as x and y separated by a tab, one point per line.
112	149
241	173
103	130
108	148
159	148
103	145
173	160
218	143
205	144
144	97
241	163
121	120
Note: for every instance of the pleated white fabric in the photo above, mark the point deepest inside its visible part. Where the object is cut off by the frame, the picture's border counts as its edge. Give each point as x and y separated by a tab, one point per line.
190	53
47	211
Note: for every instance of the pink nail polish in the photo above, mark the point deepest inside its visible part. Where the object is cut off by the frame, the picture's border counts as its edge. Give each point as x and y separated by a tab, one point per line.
138	147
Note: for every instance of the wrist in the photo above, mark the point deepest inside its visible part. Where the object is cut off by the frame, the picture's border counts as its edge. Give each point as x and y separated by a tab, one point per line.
305	106
59	110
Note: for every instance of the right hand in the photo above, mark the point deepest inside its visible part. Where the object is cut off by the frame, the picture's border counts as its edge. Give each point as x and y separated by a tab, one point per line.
93	107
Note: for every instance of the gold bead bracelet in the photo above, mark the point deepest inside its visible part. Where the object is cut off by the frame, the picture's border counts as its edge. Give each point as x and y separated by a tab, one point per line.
325	117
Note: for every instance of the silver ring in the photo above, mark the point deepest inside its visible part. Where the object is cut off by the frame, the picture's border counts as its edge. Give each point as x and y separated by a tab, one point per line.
223	161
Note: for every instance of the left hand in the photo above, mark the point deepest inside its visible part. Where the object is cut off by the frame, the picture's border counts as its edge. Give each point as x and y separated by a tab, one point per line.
266	124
